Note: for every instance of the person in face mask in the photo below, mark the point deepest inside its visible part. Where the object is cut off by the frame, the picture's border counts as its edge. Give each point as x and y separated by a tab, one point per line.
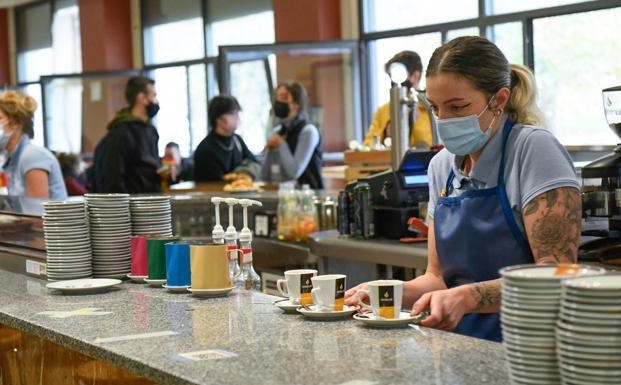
33	171
223	152
503	191
420	118
294	151
127	158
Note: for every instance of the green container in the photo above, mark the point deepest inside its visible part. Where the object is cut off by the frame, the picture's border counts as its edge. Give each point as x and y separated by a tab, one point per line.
156	254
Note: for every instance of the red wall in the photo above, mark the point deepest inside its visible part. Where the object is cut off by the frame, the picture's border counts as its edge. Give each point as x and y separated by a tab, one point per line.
105	27
305	20
5	59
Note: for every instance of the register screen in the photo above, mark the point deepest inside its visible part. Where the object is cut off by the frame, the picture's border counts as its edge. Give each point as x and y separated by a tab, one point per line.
411	180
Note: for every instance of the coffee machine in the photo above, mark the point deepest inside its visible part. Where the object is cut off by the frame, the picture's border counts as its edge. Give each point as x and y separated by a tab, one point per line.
601	193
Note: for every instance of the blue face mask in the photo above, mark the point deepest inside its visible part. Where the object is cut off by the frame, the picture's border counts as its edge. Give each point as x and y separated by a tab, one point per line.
463	136
4	137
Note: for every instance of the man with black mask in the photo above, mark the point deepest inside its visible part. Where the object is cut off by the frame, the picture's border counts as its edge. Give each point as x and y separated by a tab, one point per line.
128	154
294	151
420	119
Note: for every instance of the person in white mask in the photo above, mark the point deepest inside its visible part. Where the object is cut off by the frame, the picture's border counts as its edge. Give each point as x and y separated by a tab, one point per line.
503	191
33	171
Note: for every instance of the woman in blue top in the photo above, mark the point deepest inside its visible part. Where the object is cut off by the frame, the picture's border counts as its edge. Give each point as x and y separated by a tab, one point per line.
502	192
33	171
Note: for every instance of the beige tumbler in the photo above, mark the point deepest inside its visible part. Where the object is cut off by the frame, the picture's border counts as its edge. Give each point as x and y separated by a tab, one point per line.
210	267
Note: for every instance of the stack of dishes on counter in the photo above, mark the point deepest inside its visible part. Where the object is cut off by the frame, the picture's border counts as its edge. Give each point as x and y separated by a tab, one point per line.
110	226
67	241
531	297
151	216
588	333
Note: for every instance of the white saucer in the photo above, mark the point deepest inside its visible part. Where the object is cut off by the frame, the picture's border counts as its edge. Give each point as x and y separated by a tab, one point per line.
155	282
176	289
287	306
211	292
137	278
82	285
312	312
371	319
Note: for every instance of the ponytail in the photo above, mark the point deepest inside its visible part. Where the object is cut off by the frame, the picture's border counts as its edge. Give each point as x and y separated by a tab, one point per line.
522	107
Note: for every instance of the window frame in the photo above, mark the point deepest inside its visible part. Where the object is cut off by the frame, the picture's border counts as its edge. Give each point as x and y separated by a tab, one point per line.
359	74
484	21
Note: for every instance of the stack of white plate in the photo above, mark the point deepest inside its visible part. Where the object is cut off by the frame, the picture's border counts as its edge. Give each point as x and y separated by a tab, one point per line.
531	297
151	216
67	241
588	333
111	234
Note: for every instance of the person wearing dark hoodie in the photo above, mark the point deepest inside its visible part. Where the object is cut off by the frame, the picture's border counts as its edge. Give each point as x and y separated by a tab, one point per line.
127	158
223	152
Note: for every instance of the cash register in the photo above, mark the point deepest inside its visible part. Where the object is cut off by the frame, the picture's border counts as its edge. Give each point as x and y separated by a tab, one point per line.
396	194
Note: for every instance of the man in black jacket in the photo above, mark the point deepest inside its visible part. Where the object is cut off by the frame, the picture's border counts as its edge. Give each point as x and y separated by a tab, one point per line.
128	154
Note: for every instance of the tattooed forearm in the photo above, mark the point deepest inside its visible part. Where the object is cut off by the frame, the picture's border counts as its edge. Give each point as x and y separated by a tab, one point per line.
487	294
553	223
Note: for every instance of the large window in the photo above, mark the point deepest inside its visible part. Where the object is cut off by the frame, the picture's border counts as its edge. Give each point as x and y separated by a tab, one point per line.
569	44
329	71
172	31
48	42
384	15
185	86
572	69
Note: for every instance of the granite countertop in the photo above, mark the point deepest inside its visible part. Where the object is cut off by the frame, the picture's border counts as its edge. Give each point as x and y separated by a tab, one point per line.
250	340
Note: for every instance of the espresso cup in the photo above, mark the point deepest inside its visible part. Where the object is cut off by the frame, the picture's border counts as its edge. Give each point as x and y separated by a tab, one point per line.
156	254
328	292
209	265
297	286
386	296
139	257
178	264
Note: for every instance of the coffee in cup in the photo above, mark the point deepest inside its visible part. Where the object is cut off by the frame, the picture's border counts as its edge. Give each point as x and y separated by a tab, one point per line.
385	295
328	292
297	286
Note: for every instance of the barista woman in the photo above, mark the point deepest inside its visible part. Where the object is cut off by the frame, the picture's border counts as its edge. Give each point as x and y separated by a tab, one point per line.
294	150
503	191
33	170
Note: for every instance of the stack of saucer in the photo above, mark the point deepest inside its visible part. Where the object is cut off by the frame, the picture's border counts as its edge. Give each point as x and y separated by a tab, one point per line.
531	296
151	216
110	227
588	334
67	240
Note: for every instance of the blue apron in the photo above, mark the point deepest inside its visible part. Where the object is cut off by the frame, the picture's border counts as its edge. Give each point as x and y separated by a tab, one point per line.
476	235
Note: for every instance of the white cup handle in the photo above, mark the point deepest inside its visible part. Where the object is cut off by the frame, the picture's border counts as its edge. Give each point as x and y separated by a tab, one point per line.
314	292
359	298
279	285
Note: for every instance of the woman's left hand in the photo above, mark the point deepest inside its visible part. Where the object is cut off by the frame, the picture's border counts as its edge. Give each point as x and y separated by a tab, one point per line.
446	307
275	141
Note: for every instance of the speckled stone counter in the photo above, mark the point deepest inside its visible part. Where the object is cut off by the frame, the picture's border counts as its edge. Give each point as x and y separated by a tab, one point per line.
249	340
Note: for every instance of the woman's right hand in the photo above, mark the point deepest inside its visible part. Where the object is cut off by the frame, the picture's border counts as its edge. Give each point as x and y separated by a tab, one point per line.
350	295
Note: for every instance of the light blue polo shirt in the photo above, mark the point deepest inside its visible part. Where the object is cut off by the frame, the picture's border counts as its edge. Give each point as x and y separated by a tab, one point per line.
27	157
535	162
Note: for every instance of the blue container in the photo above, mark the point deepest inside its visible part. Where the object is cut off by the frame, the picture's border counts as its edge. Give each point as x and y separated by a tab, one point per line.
178	264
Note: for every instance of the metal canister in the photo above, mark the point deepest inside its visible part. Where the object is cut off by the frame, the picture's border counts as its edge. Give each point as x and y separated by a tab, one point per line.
328	214
343	213
363	211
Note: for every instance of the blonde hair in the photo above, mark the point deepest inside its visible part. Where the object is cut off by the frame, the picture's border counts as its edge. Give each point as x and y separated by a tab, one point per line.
483	63
19	108
522	107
